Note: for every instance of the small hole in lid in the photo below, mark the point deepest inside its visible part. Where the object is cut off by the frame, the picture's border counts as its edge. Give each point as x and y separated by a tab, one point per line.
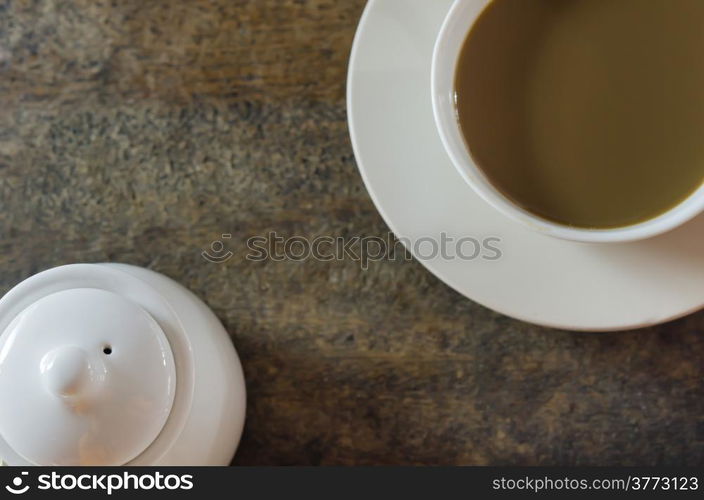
107	350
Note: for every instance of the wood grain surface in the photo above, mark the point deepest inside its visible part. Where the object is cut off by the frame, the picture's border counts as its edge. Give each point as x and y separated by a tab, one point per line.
142	131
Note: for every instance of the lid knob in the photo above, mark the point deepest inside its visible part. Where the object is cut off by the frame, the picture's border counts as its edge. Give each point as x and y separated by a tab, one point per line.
67	372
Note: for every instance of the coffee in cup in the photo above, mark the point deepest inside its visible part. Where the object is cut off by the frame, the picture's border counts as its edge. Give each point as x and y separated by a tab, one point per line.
582	113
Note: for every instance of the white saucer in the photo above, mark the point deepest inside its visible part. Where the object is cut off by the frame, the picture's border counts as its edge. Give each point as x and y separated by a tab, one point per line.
538	279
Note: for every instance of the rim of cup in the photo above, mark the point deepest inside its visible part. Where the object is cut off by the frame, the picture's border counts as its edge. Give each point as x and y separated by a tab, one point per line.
459	21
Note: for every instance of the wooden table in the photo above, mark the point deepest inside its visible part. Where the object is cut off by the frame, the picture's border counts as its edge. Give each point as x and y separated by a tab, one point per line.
141	132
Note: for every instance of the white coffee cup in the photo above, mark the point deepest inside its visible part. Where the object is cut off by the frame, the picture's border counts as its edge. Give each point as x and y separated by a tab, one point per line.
457	25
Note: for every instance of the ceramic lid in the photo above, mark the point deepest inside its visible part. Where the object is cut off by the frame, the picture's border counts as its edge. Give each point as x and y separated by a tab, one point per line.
86	377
